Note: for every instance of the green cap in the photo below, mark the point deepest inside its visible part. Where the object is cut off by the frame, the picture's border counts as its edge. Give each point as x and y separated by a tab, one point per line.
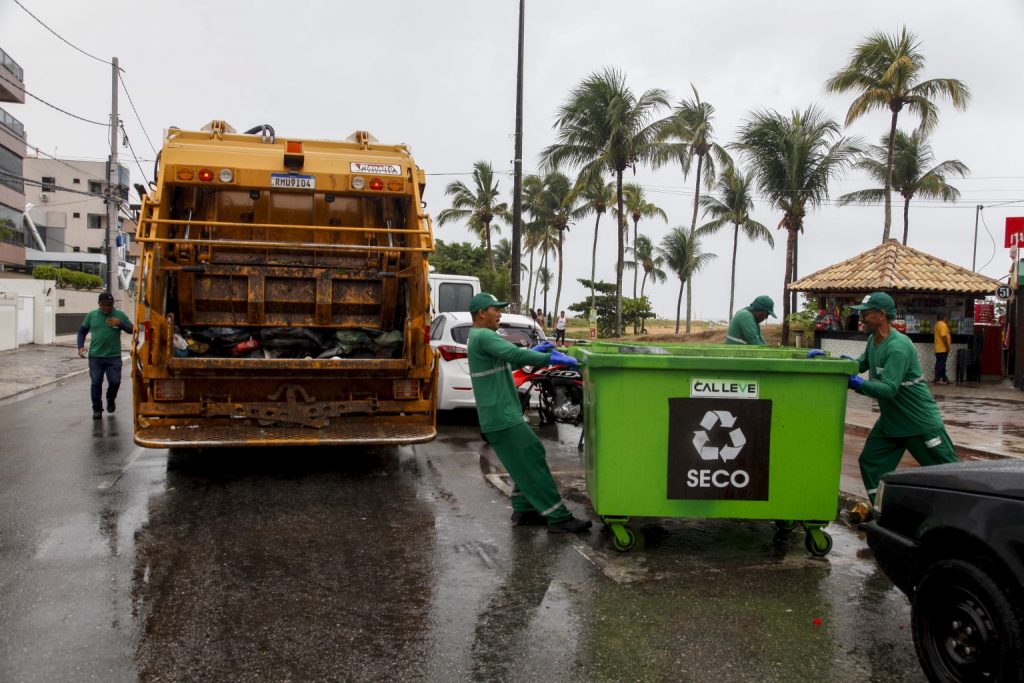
763	303
484	300
879	301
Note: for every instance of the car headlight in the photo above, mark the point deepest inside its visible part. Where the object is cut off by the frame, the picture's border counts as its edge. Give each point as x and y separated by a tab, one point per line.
879	495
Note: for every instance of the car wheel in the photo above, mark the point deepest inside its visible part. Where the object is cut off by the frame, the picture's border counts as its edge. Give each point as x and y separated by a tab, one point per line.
966	626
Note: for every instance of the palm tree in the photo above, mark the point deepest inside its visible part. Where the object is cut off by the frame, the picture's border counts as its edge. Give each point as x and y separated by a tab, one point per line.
503	252
596	196
544	278
559	208
911	156
604	126
638	207
533	189
479	206
732	206
646	257
692	129
794	157
885	70
684	257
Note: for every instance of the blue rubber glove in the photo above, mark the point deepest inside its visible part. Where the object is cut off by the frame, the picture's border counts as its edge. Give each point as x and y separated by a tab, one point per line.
815	353
856	382
543	347
559	358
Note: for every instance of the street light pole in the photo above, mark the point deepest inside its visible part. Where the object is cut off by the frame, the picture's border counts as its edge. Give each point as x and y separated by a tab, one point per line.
974	252
517	178
113	198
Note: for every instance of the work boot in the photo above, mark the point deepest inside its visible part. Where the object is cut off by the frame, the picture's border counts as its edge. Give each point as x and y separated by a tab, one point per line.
528	518
110	405
570	526
97	414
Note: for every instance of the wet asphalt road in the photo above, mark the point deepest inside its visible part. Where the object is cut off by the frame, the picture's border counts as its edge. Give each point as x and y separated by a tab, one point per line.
119	563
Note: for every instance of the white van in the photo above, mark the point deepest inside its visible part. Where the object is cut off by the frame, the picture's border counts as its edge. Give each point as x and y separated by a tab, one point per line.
452	292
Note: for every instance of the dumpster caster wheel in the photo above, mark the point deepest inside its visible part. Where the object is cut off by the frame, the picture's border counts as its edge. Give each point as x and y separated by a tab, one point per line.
818	542
623	539
786	525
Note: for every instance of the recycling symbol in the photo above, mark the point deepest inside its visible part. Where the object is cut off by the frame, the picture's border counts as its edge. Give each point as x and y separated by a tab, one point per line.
701	437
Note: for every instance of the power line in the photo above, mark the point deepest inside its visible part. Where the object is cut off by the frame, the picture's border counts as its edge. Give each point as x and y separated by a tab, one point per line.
134	156
61	161
53	106
38	183
62	38
137	117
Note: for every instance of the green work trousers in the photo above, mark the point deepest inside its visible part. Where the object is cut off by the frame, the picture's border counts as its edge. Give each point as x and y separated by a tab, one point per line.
523	455
882	454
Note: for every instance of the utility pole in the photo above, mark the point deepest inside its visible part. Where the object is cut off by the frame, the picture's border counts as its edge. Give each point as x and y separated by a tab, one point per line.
113	196
517	177
974	252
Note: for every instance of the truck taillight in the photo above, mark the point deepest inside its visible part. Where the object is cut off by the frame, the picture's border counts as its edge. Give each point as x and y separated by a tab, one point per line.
205	175
407	388
376	184
453	352
186	174
168	389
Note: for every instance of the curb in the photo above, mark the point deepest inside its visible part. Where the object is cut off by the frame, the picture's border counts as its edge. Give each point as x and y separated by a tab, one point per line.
963	452
38	388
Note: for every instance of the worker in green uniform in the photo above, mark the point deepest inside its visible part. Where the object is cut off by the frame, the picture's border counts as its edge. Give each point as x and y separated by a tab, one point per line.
745	326
105	326
535	497
909	419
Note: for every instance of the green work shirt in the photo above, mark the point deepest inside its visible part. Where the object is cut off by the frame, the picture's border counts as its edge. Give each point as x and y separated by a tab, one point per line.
895	380
491	361
743	329
104	341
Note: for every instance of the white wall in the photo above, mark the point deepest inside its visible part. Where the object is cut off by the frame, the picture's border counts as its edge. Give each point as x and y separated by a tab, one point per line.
43	294
8	321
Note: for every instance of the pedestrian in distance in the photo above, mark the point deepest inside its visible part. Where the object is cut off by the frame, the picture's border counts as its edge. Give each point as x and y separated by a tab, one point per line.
745	326
104	325
560	329
909	419
539	317
535	497
943	342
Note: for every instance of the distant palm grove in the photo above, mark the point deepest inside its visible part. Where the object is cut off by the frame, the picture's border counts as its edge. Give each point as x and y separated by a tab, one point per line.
604	129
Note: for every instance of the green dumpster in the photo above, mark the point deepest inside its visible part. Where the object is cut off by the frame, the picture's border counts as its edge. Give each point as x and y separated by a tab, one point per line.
713	432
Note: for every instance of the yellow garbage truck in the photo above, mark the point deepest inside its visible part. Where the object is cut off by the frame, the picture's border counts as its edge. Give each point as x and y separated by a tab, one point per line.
282	293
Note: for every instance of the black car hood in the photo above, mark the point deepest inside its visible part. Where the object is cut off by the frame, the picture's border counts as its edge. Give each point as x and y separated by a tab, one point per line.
1003	478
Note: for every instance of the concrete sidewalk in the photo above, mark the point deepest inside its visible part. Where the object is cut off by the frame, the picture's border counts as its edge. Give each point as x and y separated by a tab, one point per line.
984	419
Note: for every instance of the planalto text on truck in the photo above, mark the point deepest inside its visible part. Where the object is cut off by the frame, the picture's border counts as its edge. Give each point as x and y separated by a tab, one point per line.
282	294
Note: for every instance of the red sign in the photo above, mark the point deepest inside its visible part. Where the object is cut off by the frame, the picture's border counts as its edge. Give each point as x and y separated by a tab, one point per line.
1014	232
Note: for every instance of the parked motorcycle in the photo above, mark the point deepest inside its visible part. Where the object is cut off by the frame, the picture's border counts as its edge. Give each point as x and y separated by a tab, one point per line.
559	390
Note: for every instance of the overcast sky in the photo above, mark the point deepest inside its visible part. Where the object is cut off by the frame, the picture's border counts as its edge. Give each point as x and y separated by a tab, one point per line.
440	76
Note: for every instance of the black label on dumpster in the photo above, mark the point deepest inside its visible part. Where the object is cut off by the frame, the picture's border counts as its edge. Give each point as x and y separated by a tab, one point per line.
718	449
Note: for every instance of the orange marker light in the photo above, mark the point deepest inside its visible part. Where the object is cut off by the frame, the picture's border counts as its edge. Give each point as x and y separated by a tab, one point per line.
376	184
186	174
205	174
293	147
395	185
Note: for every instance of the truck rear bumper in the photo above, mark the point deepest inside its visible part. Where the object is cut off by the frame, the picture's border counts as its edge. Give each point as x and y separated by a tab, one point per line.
349	431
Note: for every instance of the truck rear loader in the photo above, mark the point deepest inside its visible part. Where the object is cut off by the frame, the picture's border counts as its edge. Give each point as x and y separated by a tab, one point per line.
282	294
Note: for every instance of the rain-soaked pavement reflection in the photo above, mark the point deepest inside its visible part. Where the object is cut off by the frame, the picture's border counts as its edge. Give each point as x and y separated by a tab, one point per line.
121	563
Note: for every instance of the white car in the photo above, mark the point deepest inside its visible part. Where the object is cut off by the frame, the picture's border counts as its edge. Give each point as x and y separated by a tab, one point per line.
449	333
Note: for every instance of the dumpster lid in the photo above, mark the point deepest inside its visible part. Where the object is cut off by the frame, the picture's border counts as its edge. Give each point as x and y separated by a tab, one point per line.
710	357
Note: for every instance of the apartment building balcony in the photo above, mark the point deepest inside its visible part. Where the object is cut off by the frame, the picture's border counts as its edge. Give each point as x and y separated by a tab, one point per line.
12	80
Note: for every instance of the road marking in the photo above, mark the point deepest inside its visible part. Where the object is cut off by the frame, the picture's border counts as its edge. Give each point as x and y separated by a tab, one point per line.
113	479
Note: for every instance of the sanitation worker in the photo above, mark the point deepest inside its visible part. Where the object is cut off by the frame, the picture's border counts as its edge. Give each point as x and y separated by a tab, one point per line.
535	497
909	419
744	328
105	324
